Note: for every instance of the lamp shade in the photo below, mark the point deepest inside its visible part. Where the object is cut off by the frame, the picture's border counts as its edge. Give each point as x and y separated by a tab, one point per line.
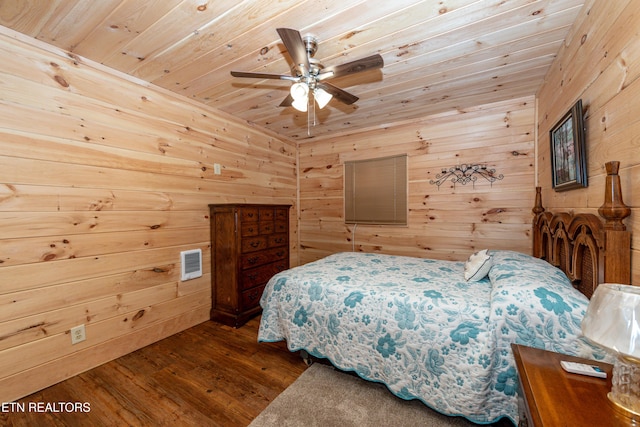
322	97
300	95
299	91
300	104
613	318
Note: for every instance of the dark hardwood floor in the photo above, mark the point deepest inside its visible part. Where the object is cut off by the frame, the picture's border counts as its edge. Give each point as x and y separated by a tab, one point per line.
209	375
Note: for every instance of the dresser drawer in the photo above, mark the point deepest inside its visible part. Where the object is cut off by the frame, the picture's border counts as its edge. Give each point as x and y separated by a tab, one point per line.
281	227
249	214
252	244
249	229
260	275
282	215
251	298
277	240
267	227
256	259
266	214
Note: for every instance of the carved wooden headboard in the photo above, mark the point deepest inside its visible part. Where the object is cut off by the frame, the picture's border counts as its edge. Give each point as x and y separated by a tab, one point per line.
590	249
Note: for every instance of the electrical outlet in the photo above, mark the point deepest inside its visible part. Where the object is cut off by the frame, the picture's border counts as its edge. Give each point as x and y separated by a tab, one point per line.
216	169
78	334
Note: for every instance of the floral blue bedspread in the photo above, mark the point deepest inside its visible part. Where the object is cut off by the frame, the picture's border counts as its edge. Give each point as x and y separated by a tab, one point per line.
418	327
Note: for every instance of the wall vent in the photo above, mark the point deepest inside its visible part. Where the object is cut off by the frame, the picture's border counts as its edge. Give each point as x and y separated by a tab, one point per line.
191	264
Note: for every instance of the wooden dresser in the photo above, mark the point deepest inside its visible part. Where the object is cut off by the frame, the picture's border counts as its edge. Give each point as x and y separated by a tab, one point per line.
249	244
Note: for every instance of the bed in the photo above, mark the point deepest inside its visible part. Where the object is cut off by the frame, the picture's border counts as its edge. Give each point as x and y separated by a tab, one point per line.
418	326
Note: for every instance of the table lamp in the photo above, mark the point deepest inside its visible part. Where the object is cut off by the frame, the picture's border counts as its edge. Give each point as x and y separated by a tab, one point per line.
613	321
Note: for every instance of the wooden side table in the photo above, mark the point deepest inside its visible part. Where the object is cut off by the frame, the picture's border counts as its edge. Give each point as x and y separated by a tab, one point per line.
554	397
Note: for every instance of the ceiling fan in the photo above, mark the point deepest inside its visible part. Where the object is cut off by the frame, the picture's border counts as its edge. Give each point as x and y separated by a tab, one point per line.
309	75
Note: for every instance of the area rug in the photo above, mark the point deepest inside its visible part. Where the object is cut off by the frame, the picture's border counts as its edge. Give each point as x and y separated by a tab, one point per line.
323	396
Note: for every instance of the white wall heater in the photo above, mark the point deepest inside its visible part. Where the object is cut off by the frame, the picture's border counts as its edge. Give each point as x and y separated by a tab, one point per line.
191	264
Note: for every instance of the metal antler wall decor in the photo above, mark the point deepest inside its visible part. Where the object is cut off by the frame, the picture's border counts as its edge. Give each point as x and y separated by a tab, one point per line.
466	173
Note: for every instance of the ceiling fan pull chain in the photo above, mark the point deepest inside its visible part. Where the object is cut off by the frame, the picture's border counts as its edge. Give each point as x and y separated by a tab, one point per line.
308	118
311	48
312	101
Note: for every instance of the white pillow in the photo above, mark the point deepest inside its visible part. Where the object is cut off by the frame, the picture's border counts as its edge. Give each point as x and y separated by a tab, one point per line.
477	266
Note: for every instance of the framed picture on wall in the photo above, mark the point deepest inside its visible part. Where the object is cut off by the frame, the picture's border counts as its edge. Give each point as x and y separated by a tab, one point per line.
568	151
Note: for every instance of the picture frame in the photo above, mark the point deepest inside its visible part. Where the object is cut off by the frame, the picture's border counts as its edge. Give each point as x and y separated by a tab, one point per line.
568	151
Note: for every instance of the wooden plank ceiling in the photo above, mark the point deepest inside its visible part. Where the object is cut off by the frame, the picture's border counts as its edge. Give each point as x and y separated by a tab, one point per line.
439	55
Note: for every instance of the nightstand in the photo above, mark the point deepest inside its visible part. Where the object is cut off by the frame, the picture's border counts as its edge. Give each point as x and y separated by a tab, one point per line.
554	397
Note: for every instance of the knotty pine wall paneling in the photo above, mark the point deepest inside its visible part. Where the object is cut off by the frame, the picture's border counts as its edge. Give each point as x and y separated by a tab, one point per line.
103	181
447	222
600	64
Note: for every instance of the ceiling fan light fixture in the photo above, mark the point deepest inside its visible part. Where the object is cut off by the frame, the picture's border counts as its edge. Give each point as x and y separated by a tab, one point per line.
300	95
300	104
308	72
299	91
322	97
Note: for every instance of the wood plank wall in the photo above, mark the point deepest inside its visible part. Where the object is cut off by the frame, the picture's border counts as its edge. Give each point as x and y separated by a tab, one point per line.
103	181
447	222
600	64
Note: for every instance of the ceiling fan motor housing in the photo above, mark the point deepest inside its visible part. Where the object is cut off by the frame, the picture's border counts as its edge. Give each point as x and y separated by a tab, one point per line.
310	45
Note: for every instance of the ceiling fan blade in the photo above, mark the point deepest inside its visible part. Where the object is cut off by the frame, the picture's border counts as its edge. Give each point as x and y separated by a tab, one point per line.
287	101
263	76
339	94
294	44
369	63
